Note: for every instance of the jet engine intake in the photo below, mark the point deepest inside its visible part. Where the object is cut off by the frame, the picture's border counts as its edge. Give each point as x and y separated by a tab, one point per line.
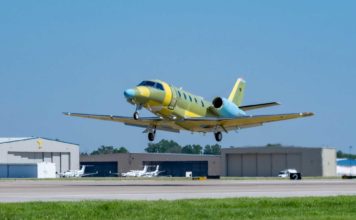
226	108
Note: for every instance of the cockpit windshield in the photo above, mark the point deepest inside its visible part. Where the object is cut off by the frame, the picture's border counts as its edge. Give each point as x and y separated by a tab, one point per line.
155	85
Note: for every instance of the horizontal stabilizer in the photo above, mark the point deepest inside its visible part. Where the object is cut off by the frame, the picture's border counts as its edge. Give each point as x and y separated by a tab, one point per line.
257	106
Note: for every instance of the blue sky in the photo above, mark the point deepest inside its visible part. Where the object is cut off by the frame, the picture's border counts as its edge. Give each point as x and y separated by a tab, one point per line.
80	56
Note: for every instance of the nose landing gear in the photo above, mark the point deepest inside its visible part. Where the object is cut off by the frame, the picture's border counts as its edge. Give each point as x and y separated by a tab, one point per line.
218	136
136	115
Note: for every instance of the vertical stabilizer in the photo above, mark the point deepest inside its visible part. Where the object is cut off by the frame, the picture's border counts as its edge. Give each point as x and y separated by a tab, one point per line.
237	93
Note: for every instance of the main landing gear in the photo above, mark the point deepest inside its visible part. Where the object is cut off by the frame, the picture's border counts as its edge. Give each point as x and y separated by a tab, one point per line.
218	136
151	136
136	115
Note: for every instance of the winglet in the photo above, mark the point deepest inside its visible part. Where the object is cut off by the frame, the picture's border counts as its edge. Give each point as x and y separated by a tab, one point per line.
237	93
306	114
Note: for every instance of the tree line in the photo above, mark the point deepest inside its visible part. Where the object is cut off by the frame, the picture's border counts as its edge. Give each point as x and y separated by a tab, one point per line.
341	154
164	146
103	149
169	146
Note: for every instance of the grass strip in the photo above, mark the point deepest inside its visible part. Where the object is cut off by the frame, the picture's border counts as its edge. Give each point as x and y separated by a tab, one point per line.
341	207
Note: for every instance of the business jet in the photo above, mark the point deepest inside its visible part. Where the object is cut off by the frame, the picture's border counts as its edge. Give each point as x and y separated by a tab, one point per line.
136	173
177	109
76	173
154	173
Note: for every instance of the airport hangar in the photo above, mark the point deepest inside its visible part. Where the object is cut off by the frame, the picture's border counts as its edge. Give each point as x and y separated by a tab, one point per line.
242	162
19	156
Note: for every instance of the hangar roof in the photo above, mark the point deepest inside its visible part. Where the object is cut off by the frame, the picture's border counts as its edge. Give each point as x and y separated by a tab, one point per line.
4	140
12	139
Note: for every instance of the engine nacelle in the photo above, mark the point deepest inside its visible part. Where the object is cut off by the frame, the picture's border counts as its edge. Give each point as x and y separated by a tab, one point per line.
227	109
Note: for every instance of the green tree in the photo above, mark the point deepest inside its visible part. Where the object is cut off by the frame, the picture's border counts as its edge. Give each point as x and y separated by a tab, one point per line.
164	146
121	150
212	149
192	149
274	145
109	150
197	149
340	154
187	149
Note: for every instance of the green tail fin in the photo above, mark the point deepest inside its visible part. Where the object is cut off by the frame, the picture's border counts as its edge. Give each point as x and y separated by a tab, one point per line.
237	93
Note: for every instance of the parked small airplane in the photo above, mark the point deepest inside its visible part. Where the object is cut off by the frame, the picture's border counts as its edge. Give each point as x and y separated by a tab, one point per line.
178	110
136	173
76	173
154	173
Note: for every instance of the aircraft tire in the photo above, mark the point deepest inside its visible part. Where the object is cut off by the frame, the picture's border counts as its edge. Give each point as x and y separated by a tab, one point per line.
136	116
151	136
218	136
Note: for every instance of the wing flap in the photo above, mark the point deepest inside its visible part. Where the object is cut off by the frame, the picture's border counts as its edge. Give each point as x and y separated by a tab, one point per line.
143	122
261	119
209	124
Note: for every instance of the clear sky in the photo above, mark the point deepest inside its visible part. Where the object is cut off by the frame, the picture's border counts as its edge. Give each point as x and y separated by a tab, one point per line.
80	56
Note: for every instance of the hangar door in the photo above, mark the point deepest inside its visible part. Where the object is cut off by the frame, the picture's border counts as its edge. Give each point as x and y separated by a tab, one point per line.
101	169
178	168
263	165
242	165
62	160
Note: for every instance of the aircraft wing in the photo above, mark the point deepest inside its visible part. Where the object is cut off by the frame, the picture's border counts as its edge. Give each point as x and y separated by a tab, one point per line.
210	124
144	122
89	174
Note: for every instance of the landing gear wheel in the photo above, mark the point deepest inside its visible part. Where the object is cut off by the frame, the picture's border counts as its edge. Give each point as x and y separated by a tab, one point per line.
218	136
136	116
151	136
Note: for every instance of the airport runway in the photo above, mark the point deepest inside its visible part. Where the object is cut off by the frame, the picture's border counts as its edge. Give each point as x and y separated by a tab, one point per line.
76	190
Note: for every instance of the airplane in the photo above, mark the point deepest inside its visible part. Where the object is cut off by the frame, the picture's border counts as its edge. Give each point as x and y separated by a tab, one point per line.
154	173
177	109
136	173
76	173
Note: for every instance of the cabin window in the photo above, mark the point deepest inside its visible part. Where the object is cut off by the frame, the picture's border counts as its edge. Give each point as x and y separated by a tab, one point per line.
185	96
180	95
159	86
202	103
191	100
195	99
147	83
152	84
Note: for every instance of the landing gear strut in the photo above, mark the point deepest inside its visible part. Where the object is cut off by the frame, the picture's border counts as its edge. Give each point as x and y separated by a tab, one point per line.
218	136
136	115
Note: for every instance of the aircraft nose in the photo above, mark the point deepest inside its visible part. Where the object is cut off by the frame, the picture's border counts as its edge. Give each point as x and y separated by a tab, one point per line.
130	93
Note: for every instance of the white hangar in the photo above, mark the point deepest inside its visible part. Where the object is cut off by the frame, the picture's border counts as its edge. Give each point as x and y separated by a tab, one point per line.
18	156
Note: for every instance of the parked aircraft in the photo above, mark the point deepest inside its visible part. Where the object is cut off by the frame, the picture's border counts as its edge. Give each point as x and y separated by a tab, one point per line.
76	173
136	173
177	109
154	173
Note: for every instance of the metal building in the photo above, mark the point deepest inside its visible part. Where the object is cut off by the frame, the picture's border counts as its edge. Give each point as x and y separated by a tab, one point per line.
242	162
19	155
171	164
268	161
